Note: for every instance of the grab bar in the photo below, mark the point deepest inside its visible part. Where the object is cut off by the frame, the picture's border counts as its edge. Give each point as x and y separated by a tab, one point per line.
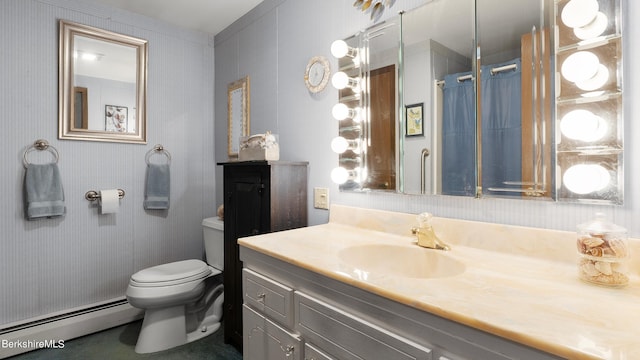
423	156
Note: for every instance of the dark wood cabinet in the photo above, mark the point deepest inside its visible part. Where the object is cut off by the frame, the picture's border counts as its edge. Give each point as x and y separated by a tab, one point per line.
259	197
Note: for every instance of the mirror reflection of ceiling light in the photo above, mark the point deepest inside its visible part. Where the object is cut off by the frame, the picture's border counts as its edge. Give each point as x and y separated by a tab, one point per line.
583	125
87	56
586	178
578	13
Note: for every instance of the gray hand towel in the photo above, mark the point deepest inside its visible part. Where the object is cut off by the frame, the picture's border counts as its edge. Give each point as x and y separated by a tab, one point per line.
158	187
44	197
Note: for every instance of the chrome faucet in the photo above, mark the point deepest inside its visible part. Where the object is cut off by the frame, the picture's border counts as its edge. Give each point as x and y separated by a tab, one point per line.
426	236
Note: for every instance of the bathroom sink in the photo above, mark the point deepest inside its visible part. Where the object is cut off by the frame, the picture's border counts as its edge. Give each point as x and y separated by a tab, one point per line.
405	261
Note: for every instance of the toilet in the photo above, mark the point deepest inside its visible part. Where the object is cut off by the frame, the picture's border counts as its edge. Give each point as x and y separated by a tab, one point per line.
183	299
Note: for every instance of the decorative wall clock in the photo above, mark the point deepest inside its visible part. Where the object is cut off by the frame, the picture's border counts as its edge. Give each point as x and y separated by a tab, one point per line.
316	76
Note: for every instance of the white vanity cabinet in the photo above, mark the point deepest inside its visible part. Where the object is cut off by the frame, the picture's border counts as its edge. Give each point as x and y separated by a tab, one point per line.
291	312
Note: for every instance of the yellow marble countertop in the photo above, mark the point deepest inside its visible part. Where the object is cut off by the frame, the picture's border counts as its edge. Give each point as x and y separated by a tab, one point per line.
509	287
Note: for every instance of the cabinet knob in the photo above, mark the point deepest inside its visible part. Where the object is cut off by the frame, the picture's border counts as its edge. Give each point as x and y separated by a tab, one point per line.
288	351
261	296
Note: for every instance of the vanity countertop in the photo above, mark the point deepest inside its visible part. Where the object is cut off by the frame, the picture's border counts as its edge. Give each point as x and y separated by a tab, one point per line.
509	289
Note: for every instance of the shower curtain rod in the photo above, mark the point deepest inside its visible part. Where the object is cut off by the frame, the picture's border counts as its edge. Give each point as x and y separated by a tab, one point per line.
493	71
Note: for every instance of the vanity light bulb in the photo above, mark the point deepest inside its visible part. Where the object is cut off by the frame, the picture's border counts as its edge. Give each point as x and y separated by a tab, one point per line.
578	13
586	178
580	66
339	144
340	111
340	80
583	125
594	28
339	49
339	175
596	81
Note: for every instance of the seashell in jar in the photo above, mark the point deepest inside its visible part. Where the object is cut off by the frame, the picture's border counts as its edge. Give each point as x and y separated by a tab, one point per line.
614	279
596	251
603	267
592	242
618	247
589	268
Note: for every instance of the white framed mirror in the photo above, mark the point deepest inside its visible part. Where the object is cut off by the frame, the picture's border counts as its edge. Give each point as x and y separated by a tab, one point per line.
102	85
238	110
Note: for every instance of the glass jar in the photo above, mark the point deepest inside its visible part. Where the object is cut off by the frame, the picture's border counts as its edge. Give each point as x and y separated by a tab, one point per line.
604	253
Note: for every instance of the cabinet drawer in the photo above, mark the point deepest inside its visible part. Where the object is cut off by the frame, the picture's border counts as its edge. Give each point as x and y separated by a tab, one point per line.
268	296
263	339
345	336
312	353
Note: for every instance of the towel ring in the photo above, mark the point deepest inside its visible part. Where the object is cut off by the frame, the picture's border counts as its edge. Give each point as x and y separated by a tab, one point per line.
40	145
158	149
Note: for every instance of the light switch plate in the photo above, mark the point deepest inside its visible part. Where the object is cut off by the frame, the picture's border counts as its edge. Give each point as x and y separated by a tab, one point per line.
321	198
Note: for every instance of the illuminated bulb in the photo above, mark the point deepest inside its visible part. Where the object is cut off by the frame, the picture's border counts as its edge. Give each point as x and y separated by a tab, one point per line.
339	175
340	80
580	66
586	178
596	81
578	13
594	28
340	49
583	125
339	144
341	111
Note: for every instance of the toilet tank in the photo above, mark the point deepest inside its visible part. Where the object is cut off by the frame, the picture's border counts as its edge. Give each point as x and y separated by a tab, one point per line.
213	231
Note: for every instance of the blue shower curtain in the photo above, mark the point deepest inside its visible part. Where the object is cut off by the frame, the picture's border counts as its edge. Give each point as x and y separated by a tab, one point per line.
501	126
501	131
458	136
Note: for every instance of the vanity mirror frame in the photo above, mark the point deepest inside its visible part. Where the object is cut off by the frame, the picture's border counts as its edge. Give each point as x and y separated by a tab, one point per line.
66	89
238	114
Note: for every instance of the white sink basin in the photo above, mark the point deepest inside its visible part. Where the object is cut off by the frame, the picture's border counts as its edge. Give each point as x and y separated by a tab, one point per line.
412	262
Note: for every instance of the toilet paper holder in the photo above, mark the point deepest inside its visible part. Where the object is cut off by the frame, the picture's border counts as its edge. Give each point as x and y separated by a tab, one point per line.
93	195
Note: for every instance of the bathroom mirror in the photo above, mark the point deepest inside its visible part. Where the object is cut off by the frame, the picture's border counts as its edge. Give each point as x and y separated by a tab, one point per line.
463	59
484	78
238	111
438	40
102	85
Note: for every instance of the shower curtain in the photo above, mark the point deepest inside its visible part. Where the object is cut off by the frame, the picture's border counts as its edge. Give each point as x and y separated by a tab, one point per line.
458	136
501	131
501	127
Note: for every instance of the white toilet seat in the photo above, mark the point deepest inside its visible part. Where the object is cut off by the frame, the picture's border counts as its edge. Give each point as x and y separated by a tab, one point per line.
175	273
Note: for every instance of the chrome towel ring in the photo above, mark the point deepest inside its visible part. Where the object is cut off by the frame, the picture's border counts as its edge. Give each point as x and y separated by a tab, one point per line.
158	149
40	145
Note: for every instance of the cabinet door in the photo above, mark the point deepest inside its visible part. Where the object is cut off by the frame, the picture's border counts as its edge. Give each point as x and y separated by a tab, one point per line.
264	340
245	202
348	337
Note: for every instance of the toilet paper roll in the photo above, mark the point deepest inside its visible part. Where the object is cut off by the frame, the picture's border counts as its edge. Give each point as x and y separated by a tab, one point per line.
109	201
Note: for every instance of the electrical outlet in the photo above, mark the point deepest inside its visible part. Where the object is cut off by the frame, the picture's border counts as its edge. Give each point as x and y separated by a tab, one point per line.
321	198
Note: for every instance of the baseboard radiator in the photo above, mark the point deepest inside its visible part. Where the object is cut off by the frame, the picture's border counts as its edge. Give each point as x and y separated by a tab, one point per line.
53	330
